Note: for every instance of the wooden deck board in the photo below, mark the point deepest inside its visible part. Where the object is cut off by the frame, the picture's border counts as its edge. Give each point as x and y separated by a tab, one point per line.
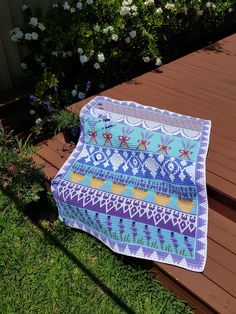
201	84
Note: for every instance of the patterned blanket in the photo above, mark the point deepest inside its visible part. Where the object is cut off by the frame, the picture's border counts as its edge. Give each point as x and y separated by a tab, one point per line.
136	181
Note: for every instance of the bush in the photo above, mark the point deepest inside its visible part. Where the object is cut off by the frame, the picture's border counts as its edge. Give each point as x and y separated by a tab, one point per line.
109	41
21	181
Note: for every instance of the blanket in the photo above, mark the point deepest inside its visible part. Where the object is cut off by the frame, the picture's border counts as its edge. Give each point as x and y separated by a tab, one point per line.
136	181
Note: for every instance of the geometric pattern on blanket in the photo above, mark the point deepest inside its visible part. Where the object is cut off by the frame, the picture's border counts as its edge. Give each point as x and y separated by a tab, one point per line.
136	181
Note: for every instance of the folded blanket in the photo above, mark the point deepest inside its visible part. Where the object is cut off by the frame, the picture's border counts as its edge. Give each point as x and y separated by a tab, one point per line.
136	181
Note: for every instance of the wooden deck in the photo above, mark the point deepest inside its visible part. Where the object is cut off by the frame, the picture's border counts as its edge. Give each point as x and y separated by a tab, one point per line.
202	84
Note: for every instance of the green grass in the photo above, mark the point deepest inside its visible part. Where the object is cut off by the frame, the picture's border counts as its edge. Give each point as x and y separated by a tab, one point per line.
51	268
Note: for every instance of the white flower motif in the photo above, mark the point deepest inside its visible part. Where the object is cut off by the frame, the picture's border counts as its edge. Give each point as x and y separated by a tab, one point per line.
41	27
91	53
80	50
25	7
170	6
96	65
83	59
72	10
66	6
81	95
23	66
55	5
35	36
33	21
114	37
105	30
89	1
101	57
38	121
230	10
64	54
158	62
97	28
133	34
127	40
159	11
110	28
28	36
74	92
32	112
146	59
69	53
199	12
79	6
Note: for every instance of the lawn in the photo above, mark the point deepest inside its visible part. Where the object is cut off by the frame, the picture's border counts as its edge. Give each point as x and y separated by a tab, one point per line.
47	267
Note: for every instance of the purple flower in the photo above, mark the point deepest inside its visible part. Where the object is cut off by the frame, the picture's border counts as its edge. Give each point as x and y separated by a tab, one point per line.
147	233
55	88
109	223
88	86
121	226
33	98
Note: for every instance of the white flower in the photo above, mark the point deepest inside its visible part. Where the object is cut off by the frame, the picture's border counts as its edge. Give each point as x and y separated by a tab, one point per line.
72	10
55	5
69	53
33	21
133	34
23	66
158	62
199	12
170	6
74	92
127	40
41	27
125	11
101	57
28	36
110	28
230	10
105	30
80	50
146	59
35	36
133	8
97	28
16	34
64	54
24	7
96	65
91	52
89	1
79	6
210	5
32	112
114	37
55	53
81	95
38	58
149	2
159	10
127	2
38	121
83	59
66	6
43	64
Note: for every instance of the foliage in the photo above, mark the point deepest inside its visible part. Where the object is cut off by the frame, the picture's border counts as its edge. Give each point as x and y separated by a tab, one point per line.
20	179
65	119
106	42
50	268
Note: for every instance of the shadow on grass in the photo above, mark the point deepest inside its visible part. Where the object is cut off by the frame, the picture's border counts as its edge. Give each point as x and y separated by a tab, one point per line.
35	216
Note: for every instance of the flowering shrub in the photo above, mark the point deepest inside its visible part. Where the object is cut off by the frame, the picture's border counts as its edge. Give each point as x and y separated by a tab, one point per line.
109	41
